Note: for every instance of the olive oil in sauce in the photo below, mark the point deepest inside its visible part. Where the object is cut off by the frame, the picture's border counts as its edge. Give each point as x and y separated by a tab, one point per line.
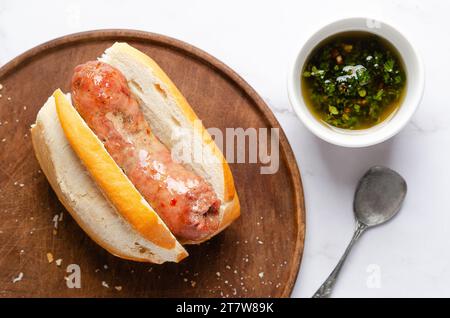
353	80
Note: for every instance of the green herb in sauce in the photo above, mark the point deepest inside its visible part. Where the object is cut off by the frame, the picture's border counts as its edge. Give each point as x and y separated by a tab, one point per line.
353	80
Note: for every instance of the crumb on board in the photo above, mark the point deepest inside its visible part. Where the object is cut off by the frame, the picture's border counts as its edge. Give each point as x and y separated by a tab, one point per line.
55	221
49	257
9	98
58	262
1	87
261	274
18	278
105	266
218	274
118	288
193	283
105	284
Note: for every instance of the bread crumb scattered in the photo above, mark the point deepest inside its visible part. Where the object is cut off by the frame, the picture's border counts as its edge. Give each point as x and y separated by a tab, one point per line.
261	274
49	257
105	266
193	283
228	267
9	98
1	87
55	221
4	139
118	288
104	284
185	280
18	278
58	262
218	274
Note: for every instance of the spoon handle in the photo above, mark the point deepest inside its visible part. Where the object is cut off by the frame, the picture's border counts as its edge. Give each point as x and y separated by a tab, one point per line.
325	290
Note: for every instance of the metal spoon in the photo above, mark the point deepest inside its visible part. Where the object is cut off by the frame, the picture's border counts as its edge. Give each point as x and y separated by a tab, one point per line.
378	197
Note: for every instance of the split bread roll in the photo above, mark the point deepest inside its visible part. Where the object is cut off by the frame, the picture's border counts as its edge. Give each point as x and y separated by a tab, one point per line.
95	190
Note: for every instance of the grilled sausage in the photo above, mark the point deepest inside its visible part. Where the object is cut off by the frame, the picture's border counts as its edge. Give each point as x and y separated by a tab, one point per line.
185	201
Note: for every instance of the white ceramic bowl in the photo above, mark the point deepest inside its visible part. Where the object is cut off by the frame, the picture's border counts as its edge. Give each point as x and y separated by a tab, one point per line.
415	78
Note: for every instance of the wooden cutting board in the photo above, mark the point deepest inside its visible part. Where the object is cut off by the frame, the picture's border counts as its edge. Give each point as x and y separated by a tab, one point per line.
258	256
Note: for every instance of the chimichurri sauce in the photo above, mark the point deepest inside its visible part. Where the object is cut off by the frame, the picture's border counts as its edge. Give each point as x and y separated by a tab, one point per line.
353	80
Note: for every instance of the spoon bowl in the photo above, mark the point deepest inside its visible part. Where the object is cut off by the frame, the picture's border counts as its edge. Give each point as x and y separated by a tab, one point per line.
379	196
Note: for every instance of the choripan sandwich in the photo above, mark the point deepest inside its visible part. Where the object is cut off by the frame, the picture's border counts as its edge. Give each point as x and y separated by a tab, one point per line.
106	149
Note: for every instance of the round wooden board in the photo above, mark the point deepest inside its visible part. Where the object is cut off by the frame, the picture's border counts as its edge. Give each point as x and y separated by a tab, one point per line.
257	256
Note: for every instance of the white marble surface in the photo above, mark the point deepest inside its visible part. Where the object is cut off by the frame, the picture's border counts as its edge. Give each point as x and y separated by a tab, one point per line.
410	256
